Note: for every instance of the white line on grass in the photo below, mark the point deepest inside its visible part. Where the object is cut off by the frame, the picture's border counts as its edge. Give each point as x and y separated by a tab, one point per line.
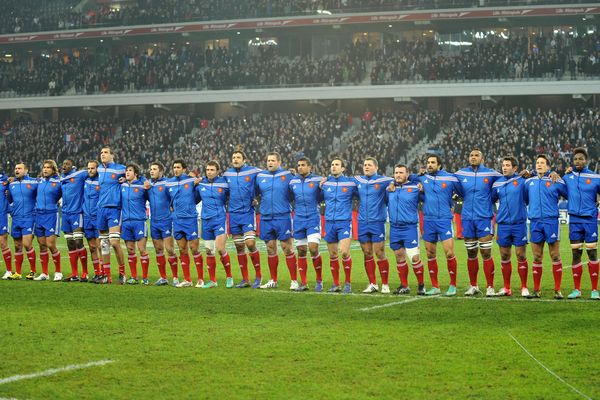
573	388
396	303
54	371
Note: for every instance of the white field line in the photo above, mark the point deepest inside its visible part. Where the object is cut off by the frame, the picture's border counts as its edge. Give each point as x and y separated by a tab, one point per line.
54	371
396	303
561	380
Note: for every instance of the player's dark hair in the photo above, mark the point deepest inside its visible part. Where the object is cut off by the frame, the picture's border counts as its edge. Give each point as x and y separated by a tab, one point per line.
401	166
306	160
179	161
340	159
581	150
214	163
437	158
160	166
110	150
513	161
241	153
136	168
373	160
545	157
24	164
276	154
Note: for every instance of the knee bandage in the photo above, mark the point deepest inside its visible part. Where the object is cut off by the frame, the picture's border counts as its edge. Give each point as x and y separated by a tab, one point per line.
104	245
68	236
413	251
114	236
210	245
485	245
471	245
77	235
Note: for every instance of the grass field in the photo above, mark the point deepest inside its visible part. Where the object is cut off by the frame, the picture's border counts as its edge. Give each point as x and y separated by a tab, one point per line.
162	342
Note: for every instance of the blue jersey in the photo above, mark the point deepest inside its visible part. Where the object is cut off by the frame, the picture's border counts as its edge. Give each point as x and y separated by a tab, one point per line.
48	194
403	204
91	195
510	192
213	195
475	185
438	189
72	190
182	195
307	195
22	195
110	187
160	202
274	190
338	193
371	191
241	188
4	206
133	200
583	188
541	194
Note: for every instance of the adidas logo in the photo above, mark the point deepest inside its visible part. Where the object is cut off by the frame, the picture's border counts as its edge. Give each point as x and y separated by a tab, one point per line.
288	232
168	232
329	189
414	241
464	180
194	234
203	190
571	177
448	233
316	228
4	228
594	234
426	181
122	190
28	229
531	184
170	189
263	181
75	223
524	238
451	272
595	274
140	232
359	185
249	225
346	233
381	235
487	229
51	229
228	180
294	187
115	221
553	235
221	229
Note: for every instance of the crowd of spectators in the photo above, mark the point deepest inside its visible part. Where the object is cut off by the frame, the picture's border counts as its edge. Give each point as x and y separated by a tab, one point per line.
49	15
387	136
520	132
558	56
189	67
165	138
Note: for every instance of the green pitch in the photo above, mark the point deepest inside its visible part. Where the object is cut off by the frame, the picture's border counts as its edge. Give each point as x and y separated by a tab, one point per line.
162	342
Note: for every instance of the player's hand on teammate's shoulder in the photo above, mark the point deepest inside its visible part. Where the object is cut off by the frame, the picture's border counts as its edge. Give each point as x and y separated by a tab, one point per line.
525	174
422	171
11	179
420	186
323	180
147	184
196	181
568	170
293	171
554	176
391	187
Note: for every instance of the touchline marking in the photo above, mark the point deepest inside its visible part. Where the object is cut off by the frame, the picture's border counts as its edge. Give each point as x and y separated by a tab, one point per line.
54	371
396	303
573	388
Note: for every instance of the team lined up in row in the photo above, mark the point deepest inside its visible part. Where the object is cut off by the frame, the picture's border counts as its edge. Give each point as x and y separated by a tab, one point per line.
108	202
